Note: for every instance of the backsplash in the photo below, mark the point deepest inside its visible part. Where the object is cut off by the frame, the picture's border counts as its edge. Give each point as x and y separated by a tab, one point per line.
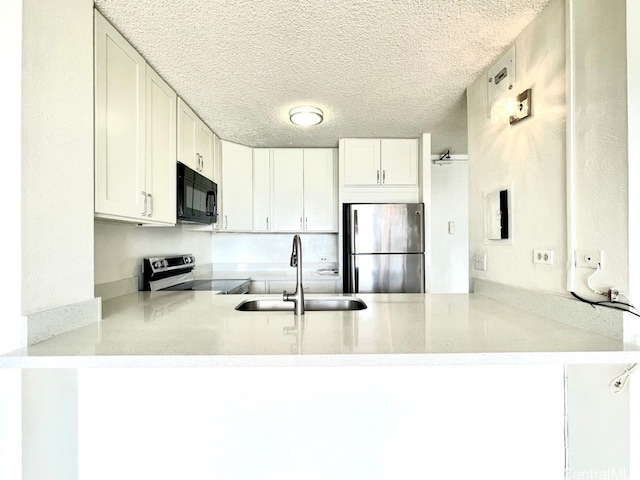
272	248
120	248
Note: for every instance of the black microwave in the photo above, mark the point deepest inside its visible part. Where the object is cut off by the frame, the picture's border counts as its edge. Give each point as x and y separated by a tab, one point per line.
197	200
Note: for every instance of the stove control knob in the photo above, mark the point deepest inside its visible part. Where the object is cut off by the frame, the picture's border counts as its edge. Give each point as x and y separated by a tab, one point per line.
156	264
165	263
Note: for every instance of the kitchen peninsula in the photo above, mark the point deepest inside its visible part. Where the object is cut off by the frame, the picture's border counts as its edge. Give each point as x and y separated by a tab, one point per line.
197	328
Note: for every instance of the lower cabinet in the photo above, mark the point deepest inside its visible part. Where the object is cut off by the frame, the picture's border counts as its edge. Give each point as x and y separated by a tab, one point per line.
279	286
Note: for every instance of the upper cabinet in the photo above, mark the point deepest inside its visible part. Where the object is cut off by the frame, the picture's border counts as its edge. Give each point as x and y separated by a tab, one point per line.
237	187
380	162
303	189
195	141
320	205
287	189
278	189
135	134
262	221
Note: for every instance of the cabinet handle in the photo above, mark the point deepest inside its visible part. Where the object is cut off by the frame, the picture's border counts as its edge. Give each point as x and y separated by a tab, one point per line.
377	176
150	214
267	223
306	223
144	194
226	224
300	223
384	174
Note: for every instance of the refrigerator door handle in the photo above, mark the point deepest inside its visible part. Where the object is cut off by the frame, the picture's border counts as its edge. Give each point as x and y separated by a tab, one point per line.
421	230
354	236
353	275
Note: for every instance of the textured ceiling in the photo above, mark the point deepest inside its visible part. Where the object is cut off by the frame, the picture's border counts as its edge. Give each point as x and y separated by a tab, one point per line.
377	68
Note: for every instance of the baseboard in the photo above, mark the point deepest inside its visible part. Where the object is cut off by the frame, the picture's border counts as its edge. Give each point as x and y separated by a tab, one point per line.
565	310
48	323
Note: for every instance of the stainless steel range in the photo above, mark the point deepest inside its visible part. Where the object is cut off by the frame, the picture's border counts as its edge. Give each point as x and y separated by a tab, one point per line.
175	272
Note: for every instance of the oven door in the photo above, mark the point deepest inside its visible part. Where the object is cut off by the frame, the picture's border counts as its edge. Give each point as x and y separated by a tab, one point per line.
197	197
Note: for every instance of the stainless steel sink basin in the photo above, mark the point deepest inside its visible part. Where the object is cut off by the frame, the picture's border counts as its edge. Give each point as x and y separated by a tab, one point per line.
311	304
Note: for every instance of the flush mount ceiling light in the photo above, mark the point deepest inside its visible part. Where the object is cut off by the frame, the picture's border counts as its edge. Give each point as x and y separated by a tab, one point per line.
305	116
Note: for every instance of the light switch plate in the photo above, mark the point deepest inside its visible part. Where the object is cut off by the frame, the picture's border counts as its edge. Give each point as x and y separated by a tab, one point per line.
480	261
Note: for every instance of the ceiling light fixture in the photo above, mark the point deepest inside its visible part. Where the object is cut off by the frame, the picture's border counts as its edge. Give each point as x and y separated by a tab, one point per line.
306	116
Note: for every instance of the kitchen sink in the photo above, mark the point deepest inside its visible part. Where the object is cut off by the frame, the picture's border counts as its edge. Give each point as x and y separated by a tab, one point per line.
310	304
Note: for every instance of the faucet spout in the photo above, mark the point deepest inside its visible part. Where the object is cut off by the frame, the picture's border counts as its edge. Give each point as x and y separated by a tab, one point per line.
296	261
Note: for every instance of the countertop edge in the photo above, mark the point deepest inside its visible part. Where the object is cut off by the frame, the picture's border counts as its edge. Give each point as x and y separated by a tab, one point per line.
320	360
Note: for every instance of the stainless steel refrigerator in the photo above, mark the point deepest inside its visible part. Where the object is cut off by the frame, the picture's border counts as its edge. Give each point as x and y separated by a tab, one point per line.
383	245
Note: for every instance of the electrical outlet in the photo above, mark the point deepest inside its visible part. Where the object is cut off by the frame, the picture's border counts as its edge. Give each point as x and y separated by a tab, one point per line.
480	261
545	257
323	258
589	258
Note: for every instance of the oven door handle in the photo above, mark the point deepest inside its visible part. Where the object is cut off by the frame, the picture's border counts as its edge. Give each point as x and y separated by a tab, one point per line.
172	281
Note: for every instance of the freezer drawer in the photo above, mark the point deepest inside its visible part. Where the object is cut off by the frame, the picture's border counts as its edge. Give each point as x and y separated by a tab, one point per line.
386	273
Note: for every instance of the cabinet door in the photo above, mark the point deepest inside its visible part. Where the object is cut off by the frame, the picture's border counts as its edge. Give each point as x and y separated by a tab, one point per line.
161	150
362	161
204	149
187	131
119	125
237	187
399	161
320	210
287	189
261	190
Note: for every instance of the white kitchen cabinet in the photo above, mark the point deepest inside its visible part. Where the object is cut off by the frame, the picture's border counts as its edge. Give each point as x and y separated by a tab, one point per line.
237	187
287	181
279	286
380	162
261	190
320	206
161	149
362	161
135	133
303	190
195	141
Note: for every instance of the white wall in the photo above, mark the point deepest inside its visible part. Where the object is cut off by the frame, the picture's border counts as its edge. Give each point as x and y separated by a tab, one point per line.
50	424
57	154
531	156
527	156
600	146
10	194
634	424
632	326
322	422
598	424
449	249
11	421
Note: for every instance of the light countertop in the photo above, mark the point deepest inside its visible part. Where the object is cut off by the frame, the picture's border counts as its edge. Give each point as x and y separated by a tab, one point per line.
199	328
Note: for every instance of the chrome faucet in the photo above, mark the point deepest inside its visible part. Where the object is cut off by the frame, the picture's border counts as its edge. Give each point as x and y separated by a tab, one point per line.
296	261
